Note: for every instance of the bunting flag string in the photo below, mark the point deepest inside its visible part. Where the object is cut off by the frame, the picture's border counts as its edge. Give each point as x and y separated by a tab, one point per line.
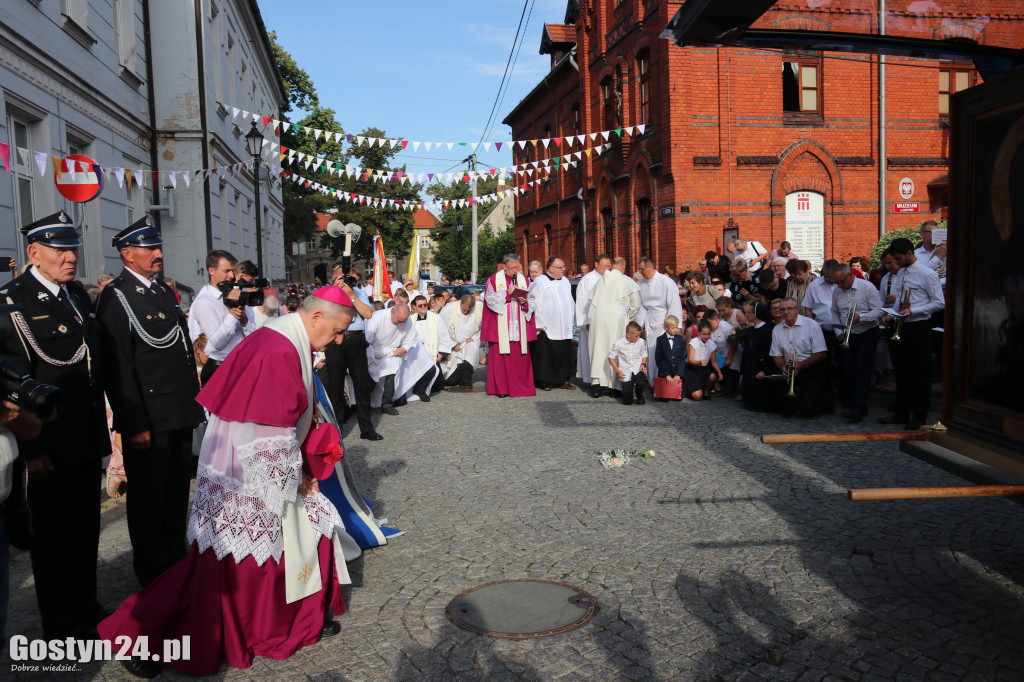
320	164
391	143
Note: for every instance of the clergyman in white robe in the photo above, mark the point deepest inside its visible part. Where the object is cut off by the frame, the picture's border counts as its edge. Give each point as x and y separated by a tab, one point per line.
399	377
659	298
550	299
461	320
584	293
615	304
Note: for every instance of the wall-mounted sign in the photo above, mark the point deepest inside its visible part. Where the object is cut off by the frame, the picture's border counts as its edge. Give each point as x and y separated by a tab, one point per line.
805	225
906	188
906	207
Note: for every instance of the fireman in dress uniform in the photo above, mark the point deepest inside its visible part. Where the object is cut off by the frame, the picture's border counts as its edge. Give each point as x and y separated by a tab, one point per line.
57	338
151	383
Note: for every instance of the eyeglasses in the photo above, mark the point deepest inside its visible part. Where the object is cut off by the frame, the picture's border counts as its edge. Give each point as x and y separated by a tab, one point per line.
558	267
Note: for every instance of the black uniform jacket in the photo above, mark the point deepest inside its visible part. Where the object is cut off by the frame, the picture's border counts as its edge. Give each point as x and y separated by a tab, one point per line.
77	431
149	388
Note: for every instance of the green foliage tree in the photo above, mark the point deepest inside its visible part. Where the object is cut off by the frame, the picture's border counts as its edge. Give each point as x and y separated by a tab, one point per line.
393	225
454	252
910	232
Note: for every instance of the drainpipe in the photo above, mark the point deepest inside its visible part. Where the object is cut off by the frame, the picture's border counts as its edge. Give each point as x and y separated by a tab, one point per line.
882	163
201	77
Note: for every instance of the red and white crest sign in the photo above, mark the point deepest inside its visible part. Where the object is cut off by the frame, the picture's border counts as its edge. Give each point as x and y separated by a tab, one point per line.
78	180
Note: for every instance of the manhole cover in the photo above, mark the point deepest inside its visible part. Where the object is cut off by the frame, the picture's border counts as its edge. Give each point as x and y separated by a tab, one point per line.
518	609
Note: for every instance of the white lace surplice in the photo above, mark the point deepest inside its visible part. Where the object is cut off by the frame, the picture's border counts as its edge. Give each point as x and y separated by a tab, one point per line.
247	472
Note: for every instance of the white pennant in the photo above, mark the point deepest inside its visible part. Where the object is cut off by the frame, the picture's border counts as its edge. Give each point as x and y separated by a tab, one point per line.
234	113
487	146
173	179
641	128
450	145
119	174
245	114
41	160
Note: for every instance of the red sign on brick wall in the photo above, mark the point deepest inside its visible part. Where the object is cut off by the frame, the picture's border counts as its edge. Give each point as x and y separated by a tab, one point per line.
906	207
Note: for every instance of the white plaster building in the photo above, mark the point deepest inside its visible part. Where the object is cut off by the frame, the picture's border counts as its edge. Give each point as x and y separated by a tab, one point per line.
76	76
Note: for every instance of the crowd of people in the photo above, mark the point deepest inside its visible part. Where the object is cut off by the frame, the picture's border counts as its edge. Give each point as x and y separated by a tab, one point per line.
249	391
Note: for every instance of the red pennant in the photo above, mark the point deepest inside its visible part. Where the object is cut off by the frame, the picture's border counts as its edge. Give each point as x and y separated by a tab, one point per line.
366	176
556	140
266	120
156	176
405	143
277	131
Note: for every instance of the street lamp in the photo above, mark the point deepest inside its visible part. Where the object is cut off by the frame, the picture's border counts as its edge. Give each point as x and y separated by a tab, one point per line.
254	143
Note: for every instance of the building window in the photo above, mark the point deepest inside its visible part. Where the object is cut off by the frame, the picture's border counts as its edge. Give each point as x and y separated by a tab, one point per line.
311	245
577	124
608	103
643	209
643	65
425	270
953	80
801	86
22	172
606	222
124	27
424	242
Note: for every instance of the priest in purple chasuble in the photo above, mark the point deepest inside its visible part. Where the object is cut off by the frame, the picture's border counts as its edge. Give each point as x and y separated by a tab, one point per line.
265	567
508	327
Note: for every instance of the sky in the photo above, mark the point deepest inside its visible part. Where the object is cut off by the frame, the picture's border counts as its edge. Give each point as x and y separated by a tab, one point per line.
418	70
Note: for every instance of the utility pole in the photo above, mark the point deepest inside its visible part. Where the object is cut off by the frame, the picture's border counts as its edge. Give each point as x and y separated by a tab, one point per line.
473	230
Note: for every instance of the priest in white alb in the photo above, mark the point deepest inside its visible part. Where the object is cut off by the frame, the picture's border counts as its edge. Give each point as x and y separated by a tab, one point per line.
554	313
584	294
398	361
659	298
462	348
615	304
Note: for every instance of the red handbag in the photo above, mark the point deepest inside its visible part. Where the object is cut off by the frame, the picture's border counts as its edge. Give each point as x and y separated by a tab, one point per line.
667	391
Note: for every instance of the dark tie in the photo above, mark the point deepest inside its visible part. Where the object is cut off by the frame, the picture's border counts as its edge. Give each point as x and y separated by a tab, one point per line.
62	296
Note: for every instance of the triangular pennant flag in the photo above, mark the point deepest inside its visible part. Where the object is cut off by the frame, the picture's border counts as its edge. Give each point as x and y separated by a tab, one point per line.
245	114
415	146
593	136
359	140
521	143
487	146
641	128
497	146
629	130
128	178
427	146
618	132
285	125
266	120
474	145
106	170
41	162
5	154
557	141
450	145
119	174
69	167
234	113
587	151
56	161
22	156
156	177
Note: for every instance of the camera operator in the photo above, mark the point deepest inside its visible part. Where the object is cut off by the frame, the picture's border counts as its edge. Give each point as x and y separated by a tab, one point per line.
152	384
58	342
224	327
350	356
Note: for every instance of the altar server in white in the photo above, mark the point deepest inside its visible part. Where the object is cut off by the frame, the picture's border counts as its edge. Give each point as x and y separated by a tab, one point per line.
659	297
550	299
584	294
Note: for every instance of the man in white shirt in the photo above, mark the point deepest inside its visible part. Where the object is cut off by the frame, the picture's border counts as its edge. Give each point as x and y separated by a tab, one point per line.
929	254
918	297
799	339
856	354
550	299
224	327
584	294
753	252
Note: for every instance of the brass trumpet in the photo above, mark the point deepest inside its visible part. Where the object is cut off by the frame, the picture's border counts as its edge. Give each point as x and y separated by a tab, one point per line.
848	327
792	375
904	304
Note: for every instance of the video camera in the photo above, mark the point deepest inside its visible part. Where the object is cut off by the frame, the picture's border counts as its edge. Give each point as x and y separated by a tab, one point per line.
16	383
251	292
346	267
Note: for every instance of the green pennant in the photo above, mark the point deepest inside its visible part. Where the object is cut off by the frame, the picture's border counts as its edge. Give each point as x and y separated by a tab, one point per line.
618	131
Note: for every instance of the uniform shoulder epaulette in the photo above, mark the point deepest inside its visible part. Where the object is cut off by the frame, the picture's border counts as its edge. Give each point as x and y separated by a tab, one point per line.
12	286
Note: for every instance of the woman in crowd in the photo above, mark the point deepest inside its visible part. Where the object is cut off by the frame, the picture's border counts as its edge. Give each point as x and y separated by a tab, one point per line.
756	364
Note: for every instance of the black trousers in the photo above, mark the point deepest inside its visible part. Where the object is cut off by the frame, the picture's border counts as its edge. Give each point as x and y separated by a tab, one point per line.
349	357
635	384
158	502
813	392
462	375
858	364
912	362
65	543
387	397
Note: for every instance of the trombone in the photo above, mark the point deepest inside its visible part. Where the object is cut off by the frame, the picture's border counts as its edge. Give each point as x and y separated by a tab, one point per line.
848	328
904	304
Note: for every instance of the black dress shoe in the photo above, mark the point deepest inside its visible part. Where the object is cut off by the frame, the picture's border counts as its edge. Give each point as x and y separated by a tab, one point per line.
503	395
331	628
640	400
389	410
141	668
372	435
892	419
424	398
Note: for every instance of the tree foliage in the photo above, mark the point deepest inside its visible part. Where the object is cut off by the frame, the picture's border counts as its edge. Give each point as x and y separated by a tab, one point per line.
454	251
910	232
393	225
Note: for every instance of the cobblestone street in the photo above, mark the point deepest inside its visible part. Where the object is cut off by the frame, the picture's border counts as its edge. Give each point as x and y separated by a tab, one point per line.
721	558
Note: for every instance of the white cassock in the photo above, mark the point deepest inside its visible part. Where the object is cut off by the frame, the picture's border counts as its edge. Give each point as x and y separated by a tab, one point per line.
459	328
429	332
659	298
584	293
615	302
554	314
383	338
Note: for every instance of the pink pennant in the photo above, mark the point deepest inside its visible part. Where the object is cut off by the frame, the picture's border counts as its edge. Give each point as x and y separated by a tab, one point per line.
5	154
497	146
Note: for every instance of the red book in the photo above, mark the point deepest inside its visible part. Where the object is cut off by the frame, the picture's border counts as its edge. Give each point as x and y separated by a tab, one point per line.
667	391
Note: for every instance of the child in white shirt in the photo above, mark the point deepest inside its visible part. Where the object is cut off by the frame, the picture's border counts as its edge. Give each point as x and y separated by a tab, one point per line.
628	357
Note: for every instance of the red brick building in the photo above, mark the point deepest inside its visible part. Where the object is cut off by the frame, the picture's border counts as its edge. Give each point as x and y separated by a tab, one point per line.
780	145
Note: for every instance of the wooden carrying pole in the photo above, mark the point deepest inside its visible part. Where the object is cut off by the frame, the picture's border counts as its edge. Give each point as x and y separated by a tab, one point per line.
871	494
844	437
